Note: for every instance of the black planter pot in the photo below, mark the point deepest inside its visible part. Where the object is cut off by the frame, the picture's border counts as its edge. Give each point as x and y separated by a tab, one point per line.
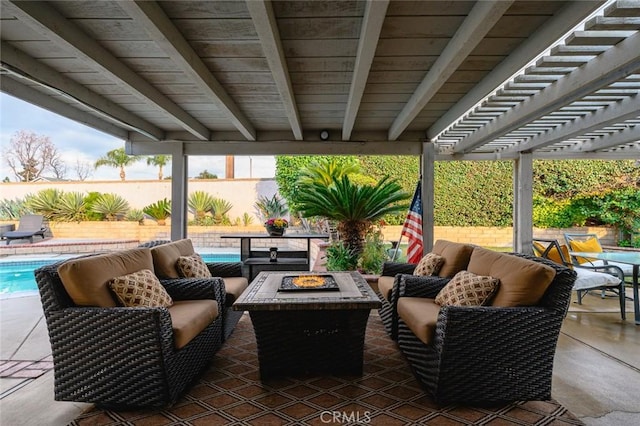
275	231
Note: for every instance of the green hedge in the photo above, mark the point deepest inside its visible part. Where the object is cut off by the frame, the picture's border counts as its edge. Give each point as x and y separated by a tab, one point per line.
480	193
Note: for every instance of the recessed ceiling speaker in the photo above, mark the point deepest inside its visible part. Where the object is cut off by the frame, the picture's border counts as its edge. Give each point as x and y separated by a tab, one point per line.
324	135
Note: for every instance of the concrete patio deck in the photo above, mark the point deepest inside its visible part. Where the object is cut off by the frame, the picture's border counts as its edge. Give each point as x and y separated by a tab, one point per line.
596	371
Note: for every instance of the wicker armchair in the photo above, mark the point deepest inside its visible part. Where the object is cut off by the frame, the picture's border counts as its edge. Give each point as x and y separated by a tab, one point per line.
487	354
231	274
124	357
404	285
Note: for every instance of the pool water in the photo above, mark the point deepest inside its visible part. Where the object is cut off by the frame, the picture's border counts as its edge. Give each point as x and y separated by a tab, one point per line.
17	277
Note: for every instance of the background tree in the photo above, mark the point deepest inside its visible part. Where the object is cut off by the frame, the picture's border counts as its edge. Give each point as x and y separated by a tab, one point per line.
117	158
29	155
83	169
205	174
160	161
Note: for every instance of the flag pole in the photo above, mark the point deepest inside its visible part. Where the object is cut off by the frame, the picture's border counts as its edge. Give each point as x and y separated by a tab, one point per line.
395	251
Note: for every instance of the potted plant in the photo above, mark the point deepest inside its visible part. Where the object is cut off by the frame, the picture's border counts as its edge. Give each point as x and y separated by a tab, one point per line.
276	226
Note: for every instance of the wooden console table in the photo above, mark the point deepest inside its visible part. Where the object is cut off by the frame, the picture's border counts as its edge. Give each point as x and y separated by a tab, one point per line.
256	261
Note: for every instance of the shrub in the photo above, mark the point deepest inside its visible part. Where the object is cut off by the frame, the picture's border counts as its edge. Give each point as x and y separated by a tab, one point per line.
135	215
340	257
13	209
71	207
219	210
200	203
271	207
159	211
44	202
110	206
247	219
373	253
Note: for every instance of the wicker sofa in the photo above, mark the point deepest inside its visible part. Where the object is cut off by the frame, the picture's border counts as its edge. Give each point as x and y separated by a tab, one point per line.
118	356
486	354
165	255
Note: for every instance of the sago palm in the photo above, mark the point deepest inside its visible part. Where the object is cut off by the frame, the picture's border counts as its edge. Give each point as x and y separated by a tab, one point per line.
353	206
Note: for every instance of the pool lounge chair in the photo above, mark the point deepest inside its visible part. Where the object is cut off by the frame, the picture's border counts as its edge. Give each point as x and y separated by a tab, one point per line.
29	226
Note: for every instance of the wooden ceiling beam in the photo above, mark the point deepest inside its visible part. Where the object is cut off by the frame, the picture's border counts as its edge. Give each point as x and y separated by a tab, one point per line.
478	23
550	32
164	33
266	26
607	68
28	94
46	20
43	75
628	135
374	14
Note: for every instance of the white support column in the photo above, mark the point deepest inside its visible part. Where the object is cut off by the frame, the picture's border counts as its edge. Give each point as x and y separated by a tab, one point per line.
428	173
179	190
523	203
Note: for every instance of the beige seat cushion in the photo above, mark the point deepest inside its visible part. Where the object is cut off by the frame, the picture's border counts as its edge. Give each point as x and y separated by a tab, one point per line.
456	257
234	286
85	279
165	257
420	315
522	281
190	317
385	285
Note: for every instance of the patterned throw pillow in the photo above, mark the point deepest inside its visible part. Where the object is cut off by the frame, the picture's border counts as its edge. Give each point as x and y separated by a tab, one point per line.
430	264
192	267
140	289
468	289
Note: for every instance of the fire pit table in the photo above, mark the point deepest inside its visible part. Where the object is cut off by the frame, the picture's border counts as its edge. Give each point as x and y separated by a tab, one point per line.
309	323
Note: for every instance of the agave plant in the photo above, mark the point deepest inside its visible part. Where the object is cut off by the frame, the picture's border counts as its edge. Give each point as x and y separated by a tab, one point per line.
12	209
200	203
219	210
71	207
354	207
159	211
45	202
246	219
271	207
110	206
135	215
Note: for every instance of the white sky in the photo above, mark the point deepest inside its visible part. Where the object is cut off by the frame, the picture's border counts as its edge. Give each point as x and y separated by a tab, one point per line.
77	142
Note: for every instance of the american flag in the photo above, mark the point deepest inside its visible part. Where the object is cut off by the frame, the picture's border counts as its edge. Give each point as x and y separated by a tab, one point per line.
412	228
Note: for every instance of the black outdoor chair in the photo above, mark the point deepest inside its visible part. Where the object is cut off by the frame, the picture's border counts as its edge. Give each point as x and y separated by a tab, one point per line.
124	357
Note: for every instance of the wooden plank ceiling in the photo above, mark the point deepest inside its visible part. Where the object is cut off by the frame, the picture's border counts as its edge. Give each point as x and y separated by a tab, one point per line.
234	77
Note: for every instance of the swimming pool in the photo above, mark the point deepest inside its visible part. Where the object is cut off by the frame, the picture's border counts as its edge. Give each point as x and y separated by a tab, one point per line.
17	279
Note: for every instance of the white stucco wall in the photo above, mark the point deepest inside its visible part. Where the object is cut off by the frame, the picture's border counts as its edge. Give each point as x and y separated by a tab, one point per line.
242	193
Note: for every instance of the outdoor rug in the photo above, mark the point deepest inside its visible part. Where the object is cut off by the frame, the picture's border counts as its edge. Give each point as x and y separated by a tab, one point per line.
230	393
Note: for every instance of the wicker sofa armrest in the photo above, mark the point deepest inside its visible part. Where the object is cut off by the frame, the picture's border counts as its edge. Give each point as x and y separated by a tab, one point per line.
418	286
225	269
121	327
391	269
490	329
196	288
